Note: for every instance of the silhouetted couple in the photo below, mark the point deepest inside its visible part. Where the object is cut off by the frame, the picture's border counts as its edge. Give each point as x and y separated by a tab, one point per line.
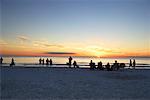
49	62
132	64
115	66
41	61
99	65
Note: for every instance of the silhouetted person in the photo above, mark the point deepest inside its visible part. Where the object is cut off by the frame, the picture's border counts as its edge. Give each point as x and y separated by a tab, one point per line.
91	62
1	60
74	64
134	63
115	66
100	65
92	65
51	63
70	60
43	61
130	64
108	67
40	60
47	61
12	62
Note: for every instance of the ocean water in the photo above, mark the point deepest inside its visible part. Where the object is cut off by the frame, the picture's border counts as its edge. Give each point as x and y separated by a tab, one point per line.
80	60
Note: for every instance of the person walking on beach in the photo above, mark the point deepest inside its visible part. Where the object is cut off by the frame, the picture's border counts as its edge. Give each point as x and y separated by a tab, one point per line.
51	63
43	61
1	60
134	63
40	60
12	62
47	61
130	64
70	60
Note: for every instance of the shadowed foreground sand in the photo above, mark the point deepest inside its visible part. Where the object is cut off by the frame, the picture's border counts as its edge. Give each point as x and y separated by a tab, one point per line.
71	84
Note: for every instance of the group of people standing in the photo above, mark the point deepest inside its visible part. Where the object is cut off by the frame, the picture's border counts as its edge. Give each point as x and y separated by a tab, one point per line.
114	66
48	62
132	64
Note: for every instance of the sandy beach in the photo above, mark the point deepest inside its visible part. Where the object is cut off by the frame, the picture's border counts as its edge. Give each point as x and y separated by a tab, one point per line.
74	84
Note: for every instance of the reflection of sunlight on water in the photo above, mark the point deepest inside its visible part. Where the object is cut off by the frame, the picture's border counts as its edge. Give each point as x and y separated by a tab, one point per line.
80	60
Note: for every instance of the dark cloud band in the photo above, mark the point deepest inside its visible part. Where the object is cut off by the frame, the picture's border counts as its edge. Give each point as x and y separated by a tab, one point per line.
60	53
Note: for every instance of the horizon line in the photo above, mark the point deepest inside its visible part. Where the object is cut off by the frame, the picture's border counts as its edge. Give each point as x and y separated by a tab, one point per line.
78	56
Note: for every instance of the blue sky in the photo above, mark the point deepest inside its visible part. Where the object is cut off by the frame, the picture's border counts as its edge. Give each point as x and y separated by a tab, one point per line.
63	21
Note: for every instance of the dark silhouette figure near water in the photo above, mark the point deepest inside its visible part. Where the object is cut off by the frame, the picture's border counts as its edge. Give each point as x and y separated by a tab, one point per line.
1	60
70	60
75	64
12	62
47	61
130	64
100	65
108	67
92	65
134	63
43	61
40	60
115	66
51	63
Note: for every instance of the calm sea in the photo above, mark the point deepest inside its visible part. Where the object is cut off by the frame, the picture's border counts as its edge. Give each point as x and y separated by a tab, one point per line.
80	60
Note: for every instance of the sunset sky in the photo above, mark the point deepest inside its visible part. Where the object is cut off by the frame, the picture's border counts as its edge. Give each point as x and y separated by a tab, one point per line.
103	28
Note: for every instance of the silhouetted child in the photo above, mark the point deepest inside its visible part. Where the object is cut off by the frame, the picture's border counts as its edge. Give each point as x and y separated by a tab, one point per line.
12	62
134	63
40	60
51	63
1	60
47	61
115	66
75	64
100	65
70	60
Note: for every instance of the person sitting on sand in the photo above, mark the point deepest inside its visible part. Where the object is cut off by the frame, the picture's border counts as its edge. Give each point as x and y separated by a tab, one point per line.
12	62
100	65
92	65
1	60
70	60
134	63
74	64
51	63
47	61
130	64
115	66
108	67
